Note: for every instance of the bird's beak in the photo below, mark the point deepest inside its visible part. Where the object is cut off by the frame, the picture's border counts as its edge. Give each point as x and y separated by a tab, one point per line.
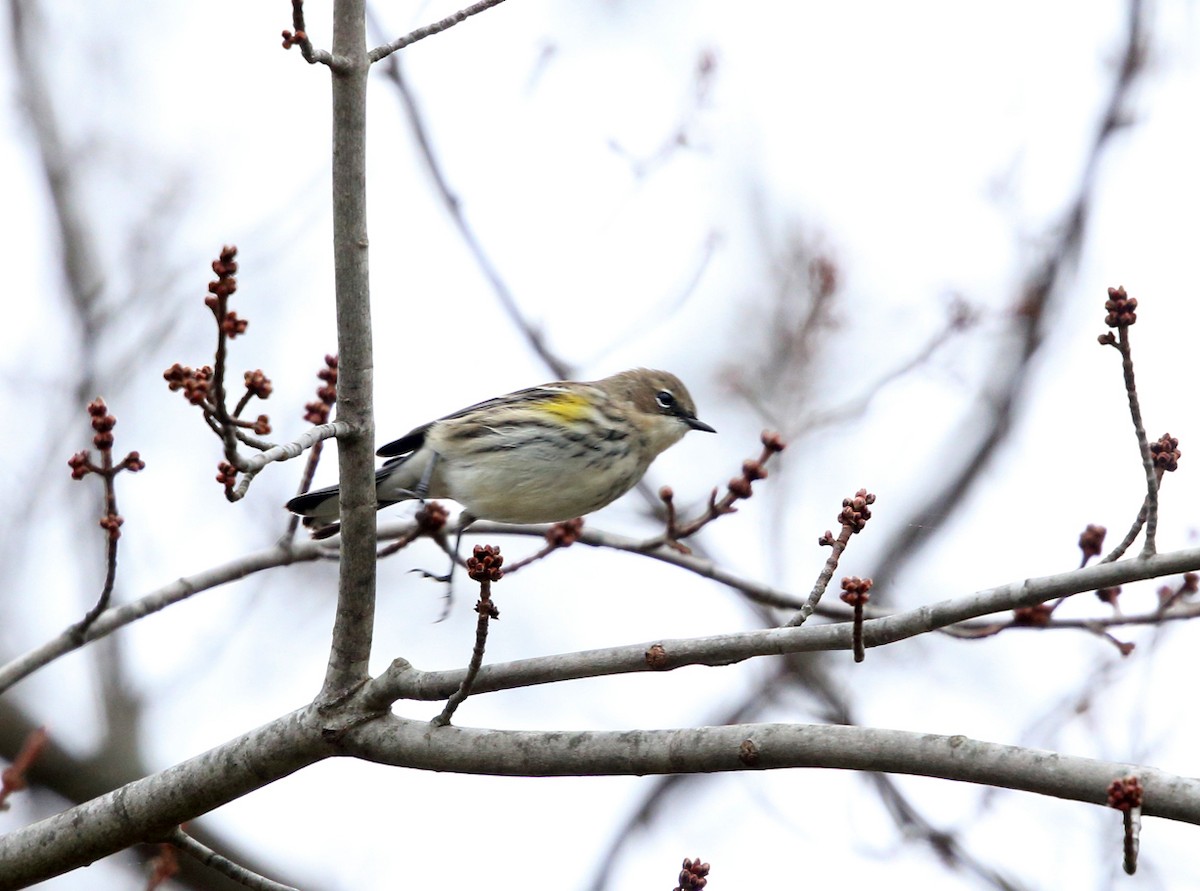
697	424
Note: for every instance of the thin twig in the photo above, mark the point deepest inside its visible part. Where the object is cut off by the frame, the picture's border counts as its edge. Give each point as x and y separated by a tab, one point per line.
559	536
110	568
1131	536
317	413
1132	820
739	488
1150	507
836	547
853	517
382	52
81	465
223	865
649	547
285	452
856	593
484	567
306	478
1122	314
180	589
1127	794
300	39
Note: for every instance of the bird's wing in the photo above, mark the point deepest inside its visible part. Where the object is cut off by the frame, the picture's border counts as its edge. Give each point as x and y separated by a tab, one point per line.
414	439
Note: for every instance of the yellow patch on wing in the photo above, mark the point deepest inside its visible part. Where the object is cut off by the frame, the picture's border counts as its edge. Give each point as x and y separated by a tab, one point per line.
568	406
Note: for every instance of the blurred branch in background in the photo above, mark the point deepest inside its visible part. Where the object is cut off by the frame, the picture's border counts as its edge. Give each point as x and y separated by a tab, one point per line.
777	386
109	336
1044	284
534	338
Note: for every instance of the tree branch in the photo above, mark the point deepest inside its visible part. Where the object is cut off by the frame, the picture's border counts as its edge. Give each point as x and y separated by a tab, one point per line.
381	52
353	627
150	809
180	589
402	681
406	743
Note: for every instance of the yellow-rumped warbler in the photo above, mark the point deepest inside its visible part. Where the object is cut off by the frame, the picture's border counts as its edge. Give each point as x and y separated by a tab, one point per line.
540	455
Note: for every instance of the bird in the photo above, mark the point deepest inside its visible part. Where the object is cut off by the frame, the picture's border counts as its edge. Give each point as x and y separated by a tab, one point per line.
544	454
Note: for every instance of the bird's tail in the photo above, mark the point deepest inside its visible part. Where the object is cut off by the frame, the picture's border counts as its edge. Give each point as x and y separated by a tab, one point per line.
319	508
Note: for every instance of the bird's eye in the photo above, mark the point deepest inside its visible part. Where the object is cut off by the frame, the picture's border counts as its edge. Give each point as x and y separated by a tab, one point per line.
665	399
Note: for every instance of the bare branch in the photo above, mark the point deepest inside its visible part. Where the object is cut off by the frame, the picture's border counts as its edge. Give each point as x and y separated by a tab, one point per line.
181	589
140	810
144	810
400	742
354	621
402	681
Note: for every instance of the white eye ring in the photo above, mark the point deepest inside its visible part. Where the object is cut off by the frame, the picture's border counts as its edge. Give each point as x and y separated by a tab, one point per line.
665	400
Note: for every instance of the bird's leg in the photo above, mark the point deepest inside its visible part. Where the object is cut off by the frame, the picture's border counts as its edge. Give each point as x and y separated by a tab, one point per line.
421	491
426	478
465	519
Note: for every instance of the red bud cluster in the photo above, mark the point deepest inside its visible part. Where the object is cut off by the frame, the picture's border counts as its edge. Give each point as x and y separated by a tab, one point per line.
856	510
431	517
1091	540
1122	309
226	474
1036	616
564	534
1125	794
195	382
258	383
855	591
693	876
318	412
219	291
484	564
1165	452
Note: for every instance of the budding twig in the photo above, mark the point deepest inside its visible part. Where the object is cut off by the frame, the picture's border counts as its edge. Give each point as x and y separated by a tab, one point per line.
300	38
1122	314
81	465
484	567
738	489
855	592
204	387
316	413
855	513
558	536
430	523
1125	794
